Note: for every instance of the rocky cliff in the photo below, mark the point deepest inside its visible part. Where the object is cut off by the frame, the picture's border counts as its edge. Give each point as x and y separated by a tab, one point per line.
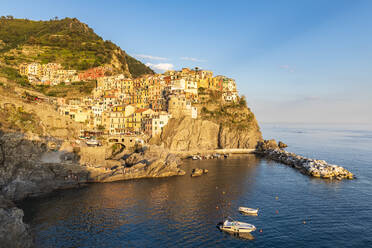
30	167
186	134
13	232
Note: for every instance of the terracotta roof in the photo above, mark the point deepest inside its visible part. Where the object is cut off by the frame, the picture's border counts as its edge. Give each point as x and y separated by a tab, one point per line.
141	110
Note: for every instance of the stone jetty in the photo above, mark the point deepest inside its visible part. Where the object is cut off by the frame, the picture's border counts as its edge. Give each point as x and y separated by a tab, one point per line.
308	166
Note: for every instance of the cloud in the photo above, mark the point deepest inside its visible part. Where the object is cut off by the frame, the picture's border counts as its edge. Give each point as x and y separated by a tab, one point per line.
287	67
192	59
144	56
161	66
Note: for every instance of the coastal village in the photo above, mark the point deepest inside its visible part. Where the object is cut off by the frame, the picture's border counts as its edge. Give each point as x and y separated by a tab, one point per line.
121	106
77	109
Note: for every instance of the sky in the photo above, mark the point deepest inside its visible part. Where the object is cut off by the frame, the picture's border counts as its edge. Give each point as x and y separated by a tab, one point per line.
307	61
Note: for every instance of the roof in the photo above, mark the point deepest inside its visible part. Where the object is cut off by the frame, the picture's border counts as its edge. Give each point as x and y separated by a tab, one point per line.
141	110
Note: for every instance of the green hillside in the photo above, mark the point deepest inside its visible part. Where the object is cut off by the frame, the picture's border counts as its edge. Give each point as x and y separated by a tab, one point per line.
67	41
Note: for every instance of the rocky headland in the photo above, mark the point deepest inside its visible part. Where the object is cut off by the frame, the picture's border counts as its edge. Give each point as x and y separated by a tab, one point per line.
219	127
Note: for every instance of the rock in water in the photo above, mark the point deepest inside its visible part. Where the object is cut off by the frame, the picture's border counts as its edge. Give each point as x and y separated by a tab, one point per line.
197	172
267	145
282	145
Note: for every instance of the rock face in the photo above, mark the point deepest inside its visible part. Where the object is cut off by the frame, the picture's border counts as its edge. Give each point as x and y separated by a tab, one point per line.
188	134
234	138
154	162
13	232
30	167
311	167
195	134
23	173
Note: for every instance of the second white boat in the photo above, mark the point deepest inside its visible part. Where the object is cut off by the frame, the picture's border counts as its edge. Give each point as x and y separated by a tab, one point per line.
248	210
234	226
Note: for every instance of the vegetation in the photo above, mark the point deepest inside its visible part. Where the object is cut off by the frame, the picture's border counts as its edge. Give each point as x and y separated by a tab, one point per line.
233	115
62	90
66	41
19	120
13	74
136	68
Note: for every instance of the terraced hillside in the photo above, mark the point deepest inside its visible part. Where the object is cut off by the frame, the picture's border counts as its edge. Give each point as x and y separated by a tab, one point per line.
68	41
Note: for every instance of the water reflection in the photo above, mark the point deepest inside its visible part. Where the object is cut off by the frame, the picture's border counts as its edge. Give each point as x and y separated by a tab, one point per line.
183	211
180	202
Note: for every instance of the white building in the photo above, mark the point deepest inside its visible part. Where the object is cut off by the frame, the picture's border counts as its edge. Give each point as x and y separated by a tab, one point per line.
159	122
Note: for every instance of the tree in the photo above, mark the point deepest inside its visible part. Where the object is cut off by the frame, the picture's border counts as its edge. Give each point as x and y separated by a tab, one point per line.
242	101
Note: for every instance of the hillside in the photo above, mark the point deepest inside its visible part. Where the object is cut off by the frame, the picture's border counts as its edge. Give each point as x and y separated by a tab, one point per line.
68	42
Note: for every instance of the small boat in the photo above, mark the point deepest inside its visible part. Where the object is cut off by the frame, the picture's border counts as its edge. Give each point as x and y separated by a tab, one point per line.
248	210
234	226
196	157
92	142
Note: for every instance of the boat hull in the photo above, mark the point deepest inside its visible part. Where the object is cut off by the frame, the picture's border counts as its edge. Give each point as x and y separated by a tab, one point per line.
236	227
251	211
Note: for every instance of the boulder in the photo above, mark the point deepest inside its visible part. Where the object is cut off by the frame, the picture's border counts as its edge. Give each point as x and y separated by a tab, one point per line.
267	145
282	145
197	172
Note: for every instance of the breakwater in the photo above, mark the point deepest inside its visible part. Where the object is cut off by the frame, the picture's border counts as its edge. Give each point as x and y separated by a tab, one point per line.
311	167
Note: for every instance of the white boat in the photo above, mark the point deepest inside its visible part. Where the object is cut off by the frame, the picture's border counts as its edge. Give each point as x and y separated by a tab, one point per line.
196	157
233	226
248	210
92	142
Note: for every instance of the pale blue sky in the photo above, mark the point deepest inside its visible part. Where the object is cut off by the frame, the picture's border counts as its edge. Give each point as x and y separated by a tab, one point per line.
296	61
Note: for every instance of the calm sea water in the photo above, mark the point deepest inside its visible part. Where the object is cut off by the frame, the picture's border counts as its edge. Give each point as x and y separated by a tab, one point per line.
181	211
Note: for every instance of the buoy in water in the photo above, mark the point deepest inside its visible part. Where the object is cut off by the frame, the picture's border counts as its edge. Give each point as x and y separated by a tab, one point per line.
260	230
277	211
276	198
223	192
304	222
216	207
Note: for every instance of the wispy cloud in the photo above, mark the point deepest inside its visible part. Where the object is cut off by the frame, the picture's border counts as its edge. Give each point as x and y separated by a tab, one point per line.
144	56
287	67
192	59
161	66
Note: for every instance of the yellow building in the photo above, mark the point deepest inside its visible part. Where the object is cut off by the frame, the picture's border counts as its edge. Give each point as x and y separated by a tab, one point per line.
135	122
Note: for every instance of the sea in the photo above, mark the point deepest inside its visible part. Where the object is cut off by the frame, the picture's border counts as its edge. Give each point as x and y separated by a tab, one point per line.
295	210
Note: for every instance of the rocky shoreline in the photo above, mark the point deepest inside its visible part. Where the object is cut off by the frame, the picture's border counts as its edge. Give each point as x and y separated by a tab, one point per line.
29	167
308	166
